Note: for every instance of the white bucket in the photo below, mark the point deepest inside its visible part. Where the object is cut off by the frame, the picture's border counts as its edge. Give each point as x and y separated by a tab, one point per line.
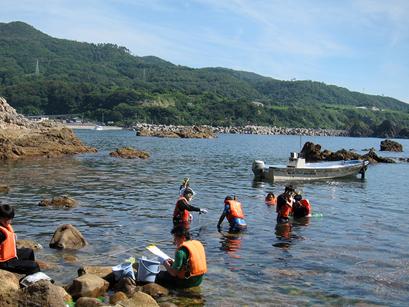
147	270
123	270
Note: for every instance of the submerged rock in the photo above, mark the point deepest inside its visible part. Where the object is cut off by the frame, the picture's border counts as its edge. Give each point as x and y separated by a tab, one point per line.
59	202
130	153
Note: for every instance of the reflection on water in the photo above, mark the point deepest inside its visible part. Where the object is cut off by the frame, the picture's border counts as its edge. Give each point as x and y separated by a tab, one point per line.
356	254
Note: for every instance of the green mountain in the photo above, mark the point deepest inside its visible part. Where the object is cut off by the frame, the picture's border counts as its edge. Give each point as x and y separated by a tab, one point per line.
40	74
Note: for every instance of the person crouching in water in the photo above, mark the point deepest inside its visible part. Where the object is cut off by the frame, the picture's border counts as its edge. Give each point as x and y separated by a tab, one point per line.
17	260
285	202
181	213
271	199
301	207
189	266
234	213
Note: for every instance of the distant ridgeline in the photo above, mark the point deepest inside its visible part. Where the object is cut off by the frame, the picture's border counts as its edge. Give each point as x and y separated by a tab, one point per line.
45	75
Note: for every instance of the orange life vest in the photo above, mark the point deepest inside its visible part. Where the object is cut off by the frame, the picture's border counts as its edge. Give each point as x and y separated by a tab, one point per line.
272	201
184	216
235	209
8	247
306	204
197	259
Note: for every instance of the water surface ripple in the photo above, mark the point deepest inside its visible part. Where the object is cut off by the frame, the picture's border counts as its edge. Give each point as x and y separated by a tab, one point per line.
356	254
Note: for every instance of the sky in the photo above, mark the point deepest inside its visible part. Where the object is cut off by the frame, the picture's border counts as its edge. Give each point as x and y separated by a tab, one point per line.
362	45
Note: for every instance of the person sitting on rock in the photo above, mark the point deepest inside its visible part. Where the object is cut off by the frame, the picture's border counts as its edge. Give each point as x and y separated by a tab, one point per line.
301	207
188	267
17	260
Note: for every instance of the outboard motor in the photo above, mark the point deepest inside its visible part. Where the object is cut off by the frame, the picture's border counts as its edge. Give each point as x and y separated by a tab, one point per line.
258	167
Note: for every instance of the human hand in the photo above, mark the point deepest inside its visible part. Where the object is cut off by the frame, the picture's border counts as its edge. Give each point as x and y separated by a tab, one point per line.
190	217
162	260
203	211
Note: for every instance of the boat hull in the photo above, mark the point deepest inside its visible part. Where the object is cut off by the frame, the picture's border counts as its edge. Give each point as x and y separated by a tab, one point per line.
311	171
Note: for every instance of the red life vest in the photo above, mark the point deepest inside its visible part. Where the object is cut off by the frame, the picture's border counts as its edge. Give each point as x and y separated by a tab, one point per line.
8	247
197	259
184	216
235	209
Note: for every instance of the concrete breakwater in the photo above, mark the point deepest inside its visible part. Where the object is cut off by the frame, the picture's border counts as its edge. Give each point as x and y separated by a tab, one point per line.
248	130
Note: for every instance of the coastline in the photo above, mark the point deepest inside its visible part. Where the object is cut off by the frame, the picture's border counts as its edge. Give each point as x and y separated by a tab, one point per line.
91	127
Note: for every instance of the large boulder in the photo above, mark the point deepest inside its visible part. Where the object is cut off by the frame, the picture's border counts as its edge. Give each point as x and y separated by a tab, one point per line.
314	153
89	302
389	145
128	286
20	138
87	285
40	294
200	132
372	157
129	153
140	299
67	237
26	243
9	282
155	290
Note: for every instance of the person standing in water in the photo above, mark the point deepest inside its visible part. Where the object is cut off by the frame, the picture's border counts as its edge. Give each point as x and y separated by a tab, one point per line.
181	214
285	202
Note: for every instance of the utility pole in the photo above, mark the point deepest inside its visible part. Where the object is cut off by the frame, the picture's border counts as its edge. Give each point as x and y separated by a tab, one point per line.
37	69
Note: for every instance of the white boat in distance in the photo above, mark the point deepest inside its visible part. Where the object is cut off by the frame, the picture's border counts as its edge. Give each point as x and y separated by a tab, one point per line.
298	169
98	127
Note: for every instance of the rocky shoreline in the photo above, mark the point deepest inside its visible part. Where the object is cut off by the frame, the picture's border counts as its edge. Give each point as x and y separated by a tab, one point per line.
144	129
21	138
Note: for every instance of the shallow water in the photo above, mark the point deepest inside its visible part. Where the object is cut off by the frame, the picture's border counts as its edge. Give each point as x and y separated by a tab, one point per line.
355	254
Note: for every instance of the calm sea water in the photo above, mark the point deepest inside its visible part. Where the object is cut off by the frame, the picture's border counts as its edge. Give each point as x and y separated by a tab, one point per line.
355	254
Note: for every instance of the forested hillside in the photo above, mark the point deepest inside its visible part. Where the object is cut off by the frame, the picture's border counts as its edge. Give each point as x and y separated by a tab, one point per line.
95	79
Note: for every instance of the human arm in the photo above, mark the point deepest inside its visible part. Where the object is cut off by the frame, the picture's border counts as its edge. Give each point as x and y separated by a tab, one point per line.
221	219
173	266
2	237
182	205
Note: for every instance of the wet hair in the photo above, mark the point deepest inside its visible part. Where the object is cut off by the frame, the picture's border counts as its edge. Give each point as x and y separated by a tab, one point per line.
228	198
181	231
7	211
298	197
289	188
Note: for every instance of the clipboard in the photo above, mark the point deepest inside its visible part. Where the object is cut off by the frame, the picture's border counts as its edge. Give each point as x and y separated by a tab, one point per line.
157	252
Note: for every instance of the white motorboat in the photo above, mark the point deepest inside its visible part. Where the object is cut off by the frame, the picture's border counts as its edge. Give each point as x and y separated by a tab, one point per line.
298	169
98	127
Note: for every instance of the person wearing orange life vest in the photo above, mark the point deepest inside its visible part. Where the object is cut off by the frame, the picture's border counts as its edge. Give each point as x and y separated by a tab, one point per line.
181	213
22	260
189	266
285	202
301	207
234	213
271	199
